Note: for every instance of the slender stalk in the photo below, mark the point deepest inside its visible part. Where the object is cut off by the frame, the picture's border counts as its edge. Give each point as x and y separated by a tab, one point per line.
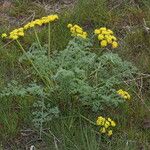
37	38
49	40
35	68
41	123
90	121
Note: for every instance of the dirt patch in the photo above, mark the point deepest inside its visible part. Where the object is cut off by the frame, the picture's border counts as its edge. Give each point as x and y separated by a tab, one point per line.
10	19
26	139
57	5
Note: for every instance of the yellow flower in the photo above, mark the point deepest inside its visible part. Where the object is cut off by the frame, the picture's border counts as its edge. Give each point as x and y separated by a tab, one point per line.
82	36
103	29
113	124
124	94
110	31
114	44
38	22
45	20
107	124
97	31
128	97
106	37
4	35
27	26
100	37
69	25
55	16
72	29
85	33
13	37
105	32
103	130
20	29
110	132
76	30
114	38
100	121
77	27
109	119
20	34
120	91
109	40
80	31
16	33
32	24
50	18
103	43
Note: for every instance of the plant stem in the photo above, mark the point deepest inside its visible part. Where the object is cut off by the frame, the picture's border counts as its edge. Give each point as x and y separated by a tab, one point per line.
87	119
42	118
37	38
49	40
35	68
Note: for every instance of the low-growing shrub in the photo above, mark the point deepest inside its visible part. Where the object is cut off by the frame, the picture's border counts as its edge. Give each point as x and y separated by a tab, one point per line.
74	75
70	79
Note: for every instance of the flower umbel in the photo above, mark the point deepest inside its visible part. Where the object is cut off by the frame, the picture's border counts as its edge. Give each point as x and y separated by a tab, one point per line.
106	37
19	32
124	94
15	34
4	35
106	125
41	21
77	31
110	132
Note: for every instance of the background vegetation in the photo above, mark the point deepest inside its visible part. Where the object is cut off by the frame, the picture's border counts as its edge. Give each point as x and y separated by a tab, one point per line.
130	20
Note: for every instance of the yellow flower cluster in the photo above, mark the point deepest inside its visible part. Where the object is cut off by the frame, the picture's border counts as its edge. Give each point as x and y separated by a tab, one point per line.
106	37
77	31
124	94
106	125
15	34
40	22
4	35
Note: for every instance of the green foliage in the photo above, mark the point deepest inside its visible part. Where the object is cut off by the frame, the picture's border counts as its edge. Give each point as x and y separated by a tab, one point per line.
74	85
136	48
75	74
76	135
15	89
24	7
43	114
90	76
82	12
8	124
